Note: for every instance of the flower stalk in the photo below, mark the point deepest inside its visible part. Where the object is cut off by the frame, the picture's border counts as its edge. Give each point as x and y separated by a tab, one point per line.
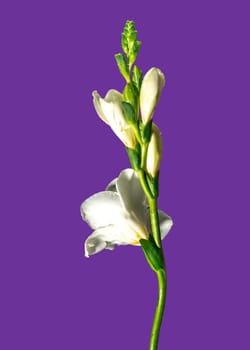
162	293
127	211
147	162
161	271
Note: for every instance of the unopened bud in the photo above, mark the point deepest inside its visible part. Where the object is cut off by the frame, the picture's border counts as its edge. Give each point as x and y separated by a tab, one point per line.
154	152
151	88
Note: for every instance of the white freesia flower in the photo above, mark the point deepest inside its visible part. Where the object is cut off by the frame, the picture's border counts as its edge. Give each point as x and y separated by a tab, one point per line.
119	215
154	151
152	85
110	111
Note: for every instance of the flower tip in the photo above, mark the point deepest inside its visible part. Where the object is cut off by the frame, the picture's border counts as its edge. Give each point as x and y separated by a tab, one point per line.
95	94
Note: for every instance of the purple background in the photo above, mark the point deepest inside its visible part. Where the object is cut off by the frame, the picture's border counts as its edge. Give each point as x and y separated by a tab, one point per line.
55	152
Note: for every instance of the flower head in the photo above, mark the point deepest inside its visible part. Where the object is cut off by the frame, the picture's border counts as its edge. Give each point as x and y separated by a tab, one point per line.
110	111
152	85
119	215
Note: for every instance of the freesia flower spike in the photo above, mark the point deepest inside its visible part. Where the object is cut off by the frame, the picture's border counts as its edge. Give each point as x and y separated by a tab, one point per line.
126	212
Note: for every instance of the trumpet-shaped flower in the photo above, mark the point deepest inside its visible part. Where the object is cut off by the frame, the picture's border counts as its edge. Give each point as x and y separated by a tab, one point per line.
152	85
119	215
110	111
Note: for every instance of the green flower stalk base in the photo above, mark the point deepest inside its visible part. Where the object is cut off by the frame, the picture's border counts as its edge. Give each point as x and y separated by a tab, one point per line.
162	292
155	257
127	211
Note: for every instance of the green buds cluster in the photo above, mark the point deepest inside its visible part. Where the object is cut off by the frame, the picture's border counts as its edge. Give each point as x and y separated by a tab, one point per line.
130	45
130	48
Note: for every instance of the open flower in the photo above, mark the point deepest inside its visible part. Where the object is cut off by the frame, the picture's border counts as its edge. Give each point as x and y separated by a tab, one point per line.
110	111
119	215
152	85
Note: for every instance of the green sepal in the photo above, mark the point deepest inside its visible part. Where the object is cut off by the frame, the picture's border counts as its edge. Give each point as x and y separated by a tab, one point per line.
146	131
153	254
134	157
153	184
134	52
129	112
130	95
131	41
123	66
125	43
137	78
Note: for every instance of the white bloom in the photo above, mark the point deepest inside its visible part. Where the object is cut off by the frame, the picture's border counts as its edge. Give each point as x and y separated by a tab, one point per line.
119	215
154	151
151	88
110	111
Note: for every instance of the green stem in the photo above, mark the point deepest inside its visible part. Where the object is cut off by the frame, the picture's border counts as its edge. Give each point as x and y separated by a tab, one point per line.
144	155
162	283
161	273
144	184
137	133
154	219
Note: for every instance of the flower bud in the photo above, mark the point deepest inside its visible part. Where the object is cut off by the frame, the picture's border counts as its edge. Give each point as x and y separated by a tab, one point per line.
110	111
151	88
154	152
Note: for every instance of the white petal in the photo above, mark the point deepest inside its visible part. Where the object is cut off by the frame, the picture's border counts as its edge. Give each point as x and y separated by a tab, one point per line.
151	88
127	136
93	245
102	209
117	120
113	96
110	111
165	223
132	195
112	185
100	107
103	238
109	108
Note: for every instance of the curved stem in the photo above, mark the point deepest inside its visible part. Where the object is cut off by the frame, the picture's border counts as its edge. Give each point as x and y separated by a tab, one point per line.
162	283
144	184
161	273
161	276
